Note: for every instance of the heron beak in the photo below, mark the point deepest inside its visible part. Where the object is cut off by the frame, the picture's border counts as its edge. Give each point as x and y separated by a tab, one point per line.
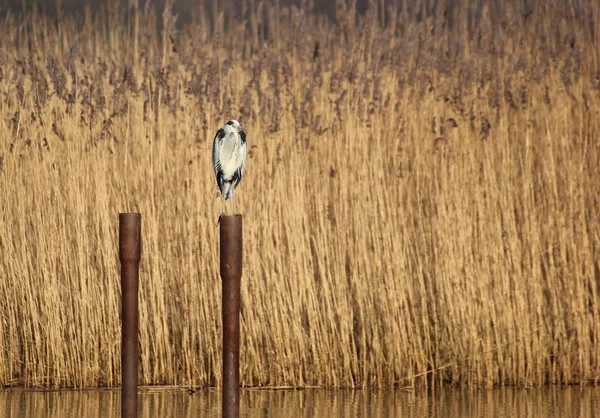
241	128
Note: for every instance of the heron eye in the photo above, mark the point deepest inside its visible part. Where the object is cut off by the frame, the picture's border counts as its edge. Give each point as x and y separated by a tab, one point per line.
230	123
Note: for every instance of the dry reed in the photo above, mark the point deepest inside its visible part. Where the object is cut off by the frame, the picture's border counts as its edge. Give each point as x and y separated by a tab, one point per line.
420	203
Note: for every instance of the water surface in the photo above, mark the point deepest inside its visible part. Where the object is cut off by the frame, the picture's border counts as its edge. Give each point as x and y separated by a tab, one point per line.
550	402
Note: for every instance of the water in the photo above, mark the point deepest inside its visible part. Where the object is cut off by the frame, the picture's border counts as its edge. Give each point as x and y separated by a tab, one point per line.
551	402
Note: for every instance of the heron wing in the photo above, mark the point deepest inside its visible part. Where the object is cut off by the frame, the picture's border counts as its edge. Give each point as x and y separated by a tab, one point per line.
217	144
240	164
243	150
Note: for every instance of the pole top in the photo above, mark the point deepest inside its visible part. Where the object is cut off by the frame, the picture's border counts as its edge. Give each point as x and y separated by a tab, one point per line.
130	236
230	235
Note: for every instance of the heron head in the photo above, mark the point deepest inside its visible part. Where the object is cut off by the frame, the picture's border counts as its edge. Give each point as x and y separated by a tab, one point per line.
235	126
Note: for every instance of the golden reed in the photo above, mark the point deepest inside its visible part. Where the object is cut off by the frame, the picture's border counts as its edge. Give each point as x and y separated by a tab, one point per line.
421	201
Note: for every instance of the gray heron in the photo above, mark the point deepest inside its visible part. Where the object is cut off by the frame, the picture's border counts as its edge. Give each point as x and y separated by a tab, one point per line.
229	160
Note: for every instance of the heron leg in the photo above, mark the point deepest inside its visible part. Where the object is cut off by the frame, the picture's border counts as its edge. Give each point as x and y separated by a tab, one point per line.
234	211
222	210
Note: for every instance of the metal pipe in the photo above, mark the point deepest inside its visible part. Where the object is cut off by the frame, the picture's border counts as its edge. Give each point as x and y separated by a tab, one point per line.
130	252
230	235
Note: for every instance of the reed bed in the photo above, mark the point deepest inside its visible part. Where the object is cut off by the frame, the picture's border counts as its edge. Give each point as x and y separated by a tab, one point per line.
420	202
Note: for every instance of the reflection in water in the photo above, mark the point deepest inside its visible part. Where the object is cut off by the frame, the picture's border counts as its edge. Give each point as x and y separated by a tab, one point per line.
552	402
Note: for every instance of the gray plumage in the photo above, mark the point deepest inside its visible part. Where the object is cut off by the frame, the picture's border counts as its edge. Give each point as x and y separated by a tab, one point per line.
229	159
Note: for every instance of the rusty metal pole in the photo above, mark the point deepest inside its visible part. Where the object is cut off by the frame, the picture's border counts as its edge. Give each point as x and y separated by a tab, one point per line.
130	252
230	235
